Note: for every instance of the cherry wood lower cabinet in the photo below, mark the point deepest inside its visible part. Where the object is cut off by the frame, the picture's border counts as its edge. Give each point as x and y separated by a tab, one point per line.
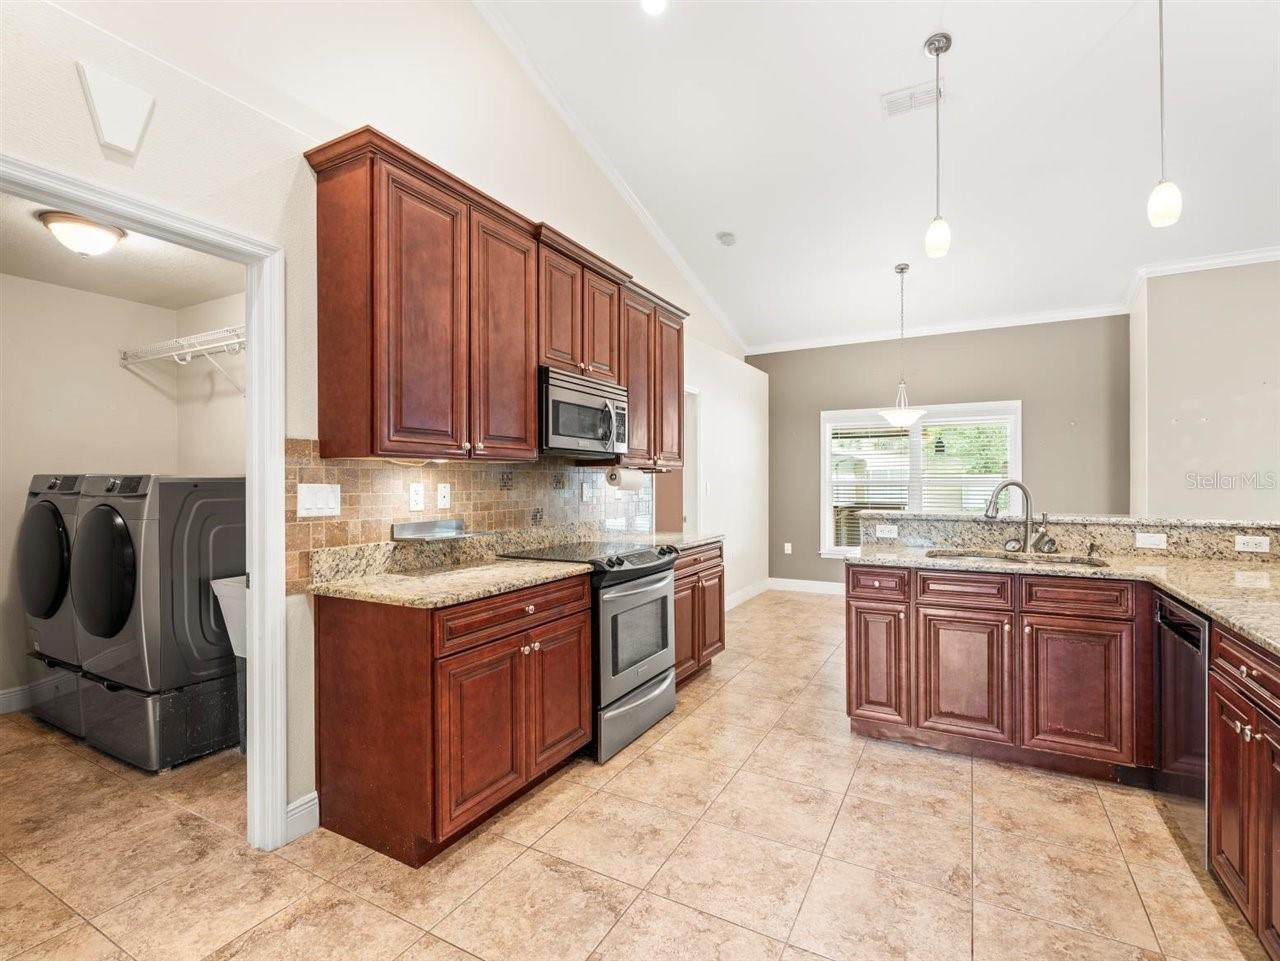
415	746
879	661
965	673
699	600
1268	838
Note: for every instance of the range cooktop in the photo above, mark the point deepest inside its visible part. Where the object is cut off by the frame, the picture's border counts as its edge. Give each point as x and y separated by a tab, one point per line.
605	555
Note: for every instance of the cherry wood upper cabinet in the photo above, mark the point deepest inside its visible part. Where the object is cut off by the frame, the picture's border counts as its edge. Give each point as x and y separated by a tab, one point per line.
1231	802
1077	687
560	334
639	322
878	662
504	370
668	393
601	326
559	690
964	667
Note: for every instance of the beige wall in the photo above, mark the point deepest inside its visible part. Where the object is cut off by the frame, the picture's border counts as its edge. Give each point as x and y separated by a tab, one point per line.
1072	379
66	405
211	437
1213	399
1138	404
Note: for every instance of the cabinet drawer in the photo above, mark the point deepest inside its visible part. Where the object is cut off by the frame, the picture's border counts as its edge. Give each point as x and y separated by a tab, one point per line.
463	626
887	583
948	589
1074	595
1251	670
692	557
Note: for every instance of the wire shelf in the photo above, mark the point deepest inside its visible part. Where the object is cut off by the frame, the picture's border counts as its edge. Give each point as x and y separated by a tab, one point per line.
225	340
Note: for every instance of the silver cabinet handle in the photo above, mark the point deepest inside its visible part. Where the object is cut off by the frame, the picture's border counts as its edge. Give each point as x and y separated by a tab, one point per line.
1248	733
902	616
875	583
537	645
479	445
1244	671
525	649
1008	627
466	445
1027	630
1236	724
529	608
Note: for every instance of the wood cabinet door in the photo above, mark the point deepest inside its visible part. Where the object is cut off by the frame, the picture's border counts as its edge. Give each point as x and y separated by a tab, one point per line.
420	312
687	624
638	323
1268	836
878	662
559	689
711	612
560	341
1077	687
482	741
504	334
601	328
668	399
965	673
1232	838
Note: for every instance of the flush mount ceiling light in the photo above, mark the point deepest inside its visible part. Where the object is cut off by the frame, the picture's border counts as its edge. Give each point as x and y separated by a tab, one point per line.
902	414
1164	206
80	234
727	238
653	8
937	239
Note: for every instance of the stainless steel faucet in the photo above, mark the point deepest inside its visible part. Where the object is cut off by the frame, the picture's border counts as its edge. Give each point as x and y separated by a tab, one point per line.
993	508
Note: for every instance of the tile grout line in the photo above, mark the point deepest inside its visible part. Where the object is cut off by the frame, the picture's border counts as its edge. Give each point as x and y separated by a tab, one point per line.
1146	913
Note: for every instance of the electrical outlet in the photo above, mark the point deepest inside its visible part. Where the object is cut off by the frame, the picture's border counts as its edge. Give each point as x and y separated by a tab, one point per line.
319	500
886	531
417	497
586	492
1253	543
443	496
1155	542
786	548
1255	580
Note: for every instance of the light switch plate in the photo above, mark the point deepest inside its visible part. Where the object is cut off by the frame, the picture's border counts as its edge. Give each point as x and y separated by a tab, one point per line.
444	496
886	531
1253	543
786	548
1155	542
319	500
586	492
417	497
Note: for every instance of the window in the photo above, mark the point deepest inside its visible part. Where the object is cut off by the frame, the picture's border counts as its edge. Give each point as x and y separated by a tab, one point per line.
948	462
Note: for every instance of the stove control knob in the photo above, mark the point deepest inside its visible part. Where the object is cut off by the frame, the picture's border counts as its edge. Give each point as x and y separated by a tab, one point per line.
112	485
608	562
619	561
51	485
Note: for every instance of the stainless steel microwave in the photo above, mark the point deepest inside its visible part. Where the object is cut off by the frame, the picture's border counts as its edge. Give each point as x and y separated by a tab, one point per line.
580	416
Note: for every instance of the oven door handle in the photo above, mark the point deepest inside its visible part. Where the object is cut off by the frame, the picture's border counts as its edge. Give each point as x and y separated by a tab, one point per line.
655	588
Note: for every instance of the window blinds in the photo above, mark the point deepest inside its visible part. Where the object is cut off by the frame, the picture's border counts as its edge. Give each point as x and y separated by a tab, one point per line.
870	469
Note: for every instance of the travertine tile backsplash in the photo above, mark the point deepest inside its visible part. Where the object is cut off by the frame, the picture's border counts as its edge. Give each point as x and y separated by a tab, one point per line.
375	494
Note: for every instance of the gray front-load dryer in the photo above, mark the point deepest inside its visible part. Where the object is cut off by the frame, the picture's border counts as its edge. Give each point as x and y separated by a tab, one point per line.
159	675
43	558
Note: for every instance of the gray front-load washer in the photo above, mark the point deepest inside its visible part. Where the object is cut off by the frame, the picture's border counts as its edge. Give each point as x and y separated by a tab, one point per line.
158	683
43	560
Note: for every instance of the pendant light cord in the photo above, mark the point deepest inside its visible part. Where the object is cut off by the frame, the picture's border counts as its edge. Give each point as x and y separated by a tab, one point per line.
902	325
1160	19
937	126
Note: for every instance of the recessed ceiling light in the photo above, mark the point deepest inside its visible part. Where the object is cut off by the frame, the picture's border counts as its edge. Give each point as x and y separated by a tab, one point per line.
80	234
653	8
726	238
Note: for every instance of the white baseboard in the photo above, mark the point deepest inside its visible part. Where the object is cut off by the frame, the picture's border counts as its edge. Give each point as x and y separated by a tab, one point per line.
806	587
740	597
302	817
15	698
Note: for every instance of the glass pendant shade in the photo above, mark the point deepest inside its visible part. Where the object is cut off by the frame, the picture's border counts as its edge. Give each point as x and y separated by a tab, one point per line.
81	235
937	240
1164	206
902	414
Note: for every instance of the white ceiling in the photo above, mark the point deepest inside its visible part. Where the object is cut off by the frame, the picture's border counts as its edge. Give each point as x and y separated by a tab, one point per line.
139	268
763	118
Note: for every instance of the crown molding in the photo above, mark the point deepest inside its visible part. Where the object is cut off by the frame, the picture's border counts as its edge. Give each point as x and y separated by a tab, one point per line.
1239	258
498	23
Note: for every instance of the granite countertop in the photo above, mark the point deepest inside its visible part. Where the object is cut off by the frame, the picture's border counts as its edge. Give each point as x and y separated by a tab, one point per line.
445	586
678	540
1242	596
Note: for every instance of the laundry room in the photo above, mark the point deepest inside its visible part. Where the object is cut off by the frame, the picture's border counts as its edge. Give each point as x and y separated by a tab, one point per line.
122	497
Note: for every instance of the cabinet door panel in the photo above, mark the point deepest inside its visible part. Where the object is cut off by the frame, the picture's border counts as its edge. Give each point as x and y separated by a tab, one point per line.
878	662
1231	810
1077	687
711	610
668	401
481	728
420	317
638	322
687	625
601	328
559	311
1268	840
965	671
504	368
560	689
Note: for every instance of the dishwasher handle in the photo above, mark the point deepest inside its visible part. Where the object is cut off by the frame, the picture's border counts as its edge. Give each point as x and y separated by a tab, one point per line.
1188	626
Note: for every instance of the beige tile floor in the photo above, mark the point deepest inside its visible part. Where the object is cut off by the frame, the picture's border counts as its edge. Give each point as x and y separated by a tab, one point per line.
751	824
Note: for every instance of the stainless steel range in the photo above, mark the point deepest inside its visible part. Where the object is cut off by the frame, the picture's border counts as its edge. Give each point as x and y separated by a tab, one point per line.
633	597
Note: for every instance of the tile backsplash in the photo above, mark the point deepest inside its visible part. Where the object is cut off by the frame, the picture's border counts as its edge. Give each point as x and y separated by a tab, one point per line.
487	496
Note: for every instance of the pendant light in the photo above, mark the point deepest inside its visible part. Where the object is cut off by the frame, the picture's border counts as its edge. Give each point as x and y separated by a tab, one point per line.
937	239
902	414
1164	206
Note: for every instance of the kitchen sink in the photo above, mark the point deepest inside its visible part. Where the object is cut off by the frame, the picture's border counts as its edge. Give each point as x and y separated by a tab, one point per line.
1017	557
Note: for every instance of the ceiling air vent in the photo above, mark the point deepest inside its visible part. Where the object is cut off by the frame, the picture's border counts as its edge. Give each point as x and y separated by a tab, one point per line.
895	103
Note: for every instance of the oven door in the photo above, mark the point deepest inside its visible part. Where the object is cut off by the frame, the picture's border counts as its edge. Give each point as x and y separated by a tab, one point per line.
635	634
579	423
